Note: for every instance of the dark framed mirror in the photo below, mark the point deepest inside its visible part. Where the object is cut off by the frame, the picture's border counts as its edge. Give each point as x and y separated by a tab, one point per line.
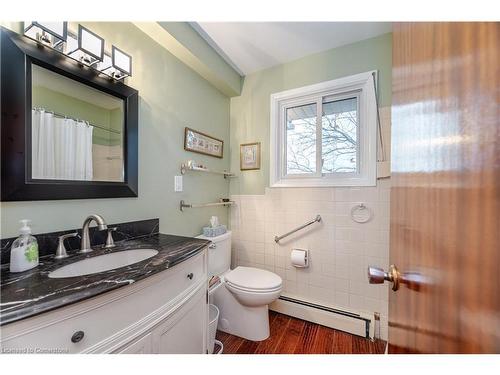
67	132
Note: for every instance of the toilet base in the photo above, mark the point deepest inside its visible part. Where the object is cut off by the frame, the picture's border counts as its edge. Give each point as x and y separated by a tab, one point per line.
251	323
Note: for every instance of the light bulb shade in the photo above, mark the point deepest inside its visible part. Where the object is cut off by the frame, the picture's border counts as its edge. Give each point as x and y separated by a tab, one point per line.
122	61
90	43
87	48
57	30
118	65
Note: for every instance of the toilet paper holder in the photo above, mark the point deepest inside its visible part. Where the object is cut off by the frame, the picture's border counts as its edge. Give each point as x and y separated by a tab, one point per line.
300	258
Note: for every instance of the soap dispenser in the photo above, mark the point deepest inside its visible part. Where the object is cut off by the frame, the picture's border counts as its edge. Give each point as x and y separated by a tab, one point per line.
24	250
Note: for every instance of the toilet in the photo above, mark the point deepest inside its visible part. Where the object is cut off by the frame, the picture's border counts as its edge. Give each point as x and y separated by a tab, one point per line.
244	293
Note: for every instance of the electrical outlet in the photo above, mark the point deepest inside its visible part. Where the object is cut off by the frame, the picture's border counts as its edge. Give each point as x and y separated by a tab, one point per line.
177	183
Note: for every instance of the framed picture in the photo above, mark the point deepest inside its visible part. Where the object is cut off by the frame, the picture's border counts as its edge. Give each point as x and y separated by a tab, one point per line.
250	156
201	143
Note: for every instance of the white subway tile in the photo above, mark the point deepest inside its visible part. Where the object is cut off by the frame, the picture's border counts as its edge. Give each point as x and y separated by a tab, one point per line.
357	302
291	287
384	307
320	295
340	249
259	258
280	261
302	290
328	269
269	249
342	195
341	285
259	247
372	304
344	221
260	237
302	275
269	260
357	287
342	299
341	271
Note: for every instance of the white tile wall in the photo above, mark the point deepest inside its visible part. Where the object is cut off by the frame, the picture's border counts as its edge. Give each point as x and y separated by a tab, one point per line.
340	249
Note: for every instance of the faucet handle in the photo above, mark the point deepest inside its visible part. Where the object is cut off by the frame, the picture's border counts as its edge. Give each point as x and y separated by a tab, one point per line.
109	239
61	250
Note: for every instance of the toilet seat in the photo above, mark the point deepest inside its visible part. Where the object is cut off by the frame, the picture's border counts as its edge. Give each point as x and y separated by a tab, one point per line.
236	288
253	280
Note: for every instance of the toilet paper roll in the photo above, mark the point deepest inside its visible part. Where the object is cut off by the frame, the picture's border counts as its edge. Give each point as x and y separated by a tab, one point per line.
299	258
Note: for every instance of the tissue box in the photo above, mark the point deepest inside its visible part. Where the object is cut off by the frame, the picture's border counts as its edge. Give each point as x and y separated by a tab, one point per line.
216	231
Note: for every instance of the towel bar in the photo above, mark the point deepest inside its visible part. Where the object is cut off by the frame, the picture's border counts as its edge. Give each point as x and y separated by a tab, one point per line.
316	219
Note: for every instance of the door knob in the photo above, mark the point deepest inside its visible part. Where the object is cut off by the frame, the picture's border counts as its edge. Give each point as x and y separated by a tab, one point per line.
378	276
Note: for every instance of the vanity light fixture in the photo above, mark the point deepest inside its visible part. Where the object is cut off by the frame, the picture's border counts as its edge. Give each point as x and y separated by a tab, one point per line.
120	66
88	48
52	34
105	64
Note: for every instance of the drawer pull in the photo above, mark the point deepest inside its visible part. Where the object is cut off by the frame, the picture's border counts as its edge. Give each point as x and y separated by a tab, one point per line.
77	336
190	276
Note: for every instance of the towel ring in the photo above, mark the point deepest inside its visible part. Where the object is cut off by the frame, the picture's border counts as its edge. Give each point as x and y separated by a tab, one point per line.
361	213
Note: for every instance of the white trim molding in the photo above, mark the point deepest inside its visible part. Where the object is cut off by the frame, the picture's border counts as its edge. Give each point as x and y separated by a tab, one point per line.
360	85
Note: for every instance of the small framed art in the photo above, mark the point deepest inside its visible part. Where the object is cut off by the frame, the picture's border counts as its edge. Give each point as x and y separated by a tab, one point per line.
250	156
201	143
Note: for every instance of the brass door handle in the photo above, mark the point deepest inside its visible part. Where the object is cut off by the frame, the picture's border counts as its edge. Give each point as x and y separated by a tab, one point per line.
377	275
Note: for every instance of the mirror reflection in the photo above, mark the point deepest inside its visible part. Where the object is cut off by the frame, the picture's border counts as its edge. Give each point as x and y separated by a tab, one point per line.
77	131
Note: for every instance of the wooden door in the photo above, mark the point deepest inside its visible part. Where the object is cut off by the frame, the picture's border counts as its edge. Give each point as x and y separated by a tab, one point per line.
445	211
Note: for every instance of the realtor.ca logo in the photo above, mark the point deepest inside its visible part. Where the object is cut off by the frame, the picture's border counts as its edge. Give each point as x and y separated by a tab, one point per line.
34	350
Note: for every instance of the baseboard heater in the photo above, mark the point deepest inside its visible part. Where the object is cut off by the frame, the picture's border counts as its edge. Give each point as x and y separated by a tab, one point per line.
330	317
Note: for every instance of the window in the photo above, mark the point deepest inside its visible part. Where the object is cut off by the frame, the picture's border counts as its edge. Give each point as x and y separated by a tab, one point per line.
325	134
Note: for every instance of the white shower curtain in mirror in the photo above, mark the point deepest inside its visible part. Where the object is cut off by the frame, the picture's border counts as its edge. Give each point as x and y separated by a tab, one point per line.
61	148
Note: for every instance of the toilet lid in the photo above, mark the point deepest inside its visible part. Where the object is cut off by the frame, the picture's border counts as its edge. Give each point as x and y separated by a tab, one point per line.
253	278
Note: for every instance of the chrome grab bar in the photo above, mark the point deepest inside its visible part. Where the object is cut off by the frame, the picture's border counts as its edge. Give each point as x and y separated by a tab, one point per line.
223	202
316	219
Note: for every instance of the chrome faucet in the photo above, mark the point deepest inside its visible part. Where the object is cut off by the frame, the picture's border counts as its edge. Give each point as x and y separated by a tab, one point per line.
61	250
101	225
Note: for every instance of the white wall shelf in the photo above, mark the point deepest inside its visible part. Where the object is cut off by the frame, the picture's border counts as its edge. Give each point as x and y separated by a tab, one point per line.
191	165
222	202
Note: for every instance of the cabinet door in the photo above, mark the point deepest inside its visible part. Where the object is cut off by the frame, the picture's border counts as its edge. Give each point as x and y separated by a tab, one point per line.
142	345
185	332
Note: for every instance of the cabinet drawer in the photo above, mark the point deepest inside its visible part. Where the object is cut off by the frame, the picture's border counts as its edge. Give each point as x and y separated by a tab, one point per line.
94	324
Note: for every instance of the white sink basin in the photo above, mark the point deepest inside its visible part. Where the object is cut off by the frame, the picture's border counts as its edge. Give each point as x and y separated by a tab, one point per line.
103	263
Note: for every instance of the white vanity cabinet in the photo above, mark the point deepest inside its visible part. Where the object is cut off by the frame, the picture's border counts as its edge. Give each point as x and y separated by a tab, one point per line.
184	332
142	345
164	313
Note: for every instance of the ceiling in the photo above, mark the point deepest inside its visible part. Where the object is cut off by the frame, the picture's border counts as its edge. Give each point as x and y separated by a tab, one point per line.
253	46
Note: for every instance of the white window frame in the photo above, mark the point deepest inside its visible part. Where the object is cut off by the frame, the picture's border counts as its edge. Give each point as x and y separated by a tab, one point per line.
359	85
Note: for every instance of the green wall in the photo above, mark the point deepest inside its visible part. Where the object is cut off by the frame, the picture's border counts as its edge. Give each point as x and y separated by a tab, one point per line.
250	111
172	96
188	37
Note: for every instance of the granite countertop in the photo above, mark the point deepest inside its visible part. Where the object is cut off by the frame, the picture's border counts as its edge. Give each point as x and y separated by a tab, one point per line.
32	292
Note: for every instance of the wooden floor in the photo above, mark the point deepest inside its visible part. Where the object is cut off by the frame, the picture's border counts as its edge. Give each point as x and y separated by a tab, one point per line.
294	336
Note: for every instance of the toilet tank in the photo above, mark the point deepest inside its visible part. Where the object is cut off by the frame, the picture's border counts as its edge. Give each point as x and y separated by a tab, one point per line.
219	253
